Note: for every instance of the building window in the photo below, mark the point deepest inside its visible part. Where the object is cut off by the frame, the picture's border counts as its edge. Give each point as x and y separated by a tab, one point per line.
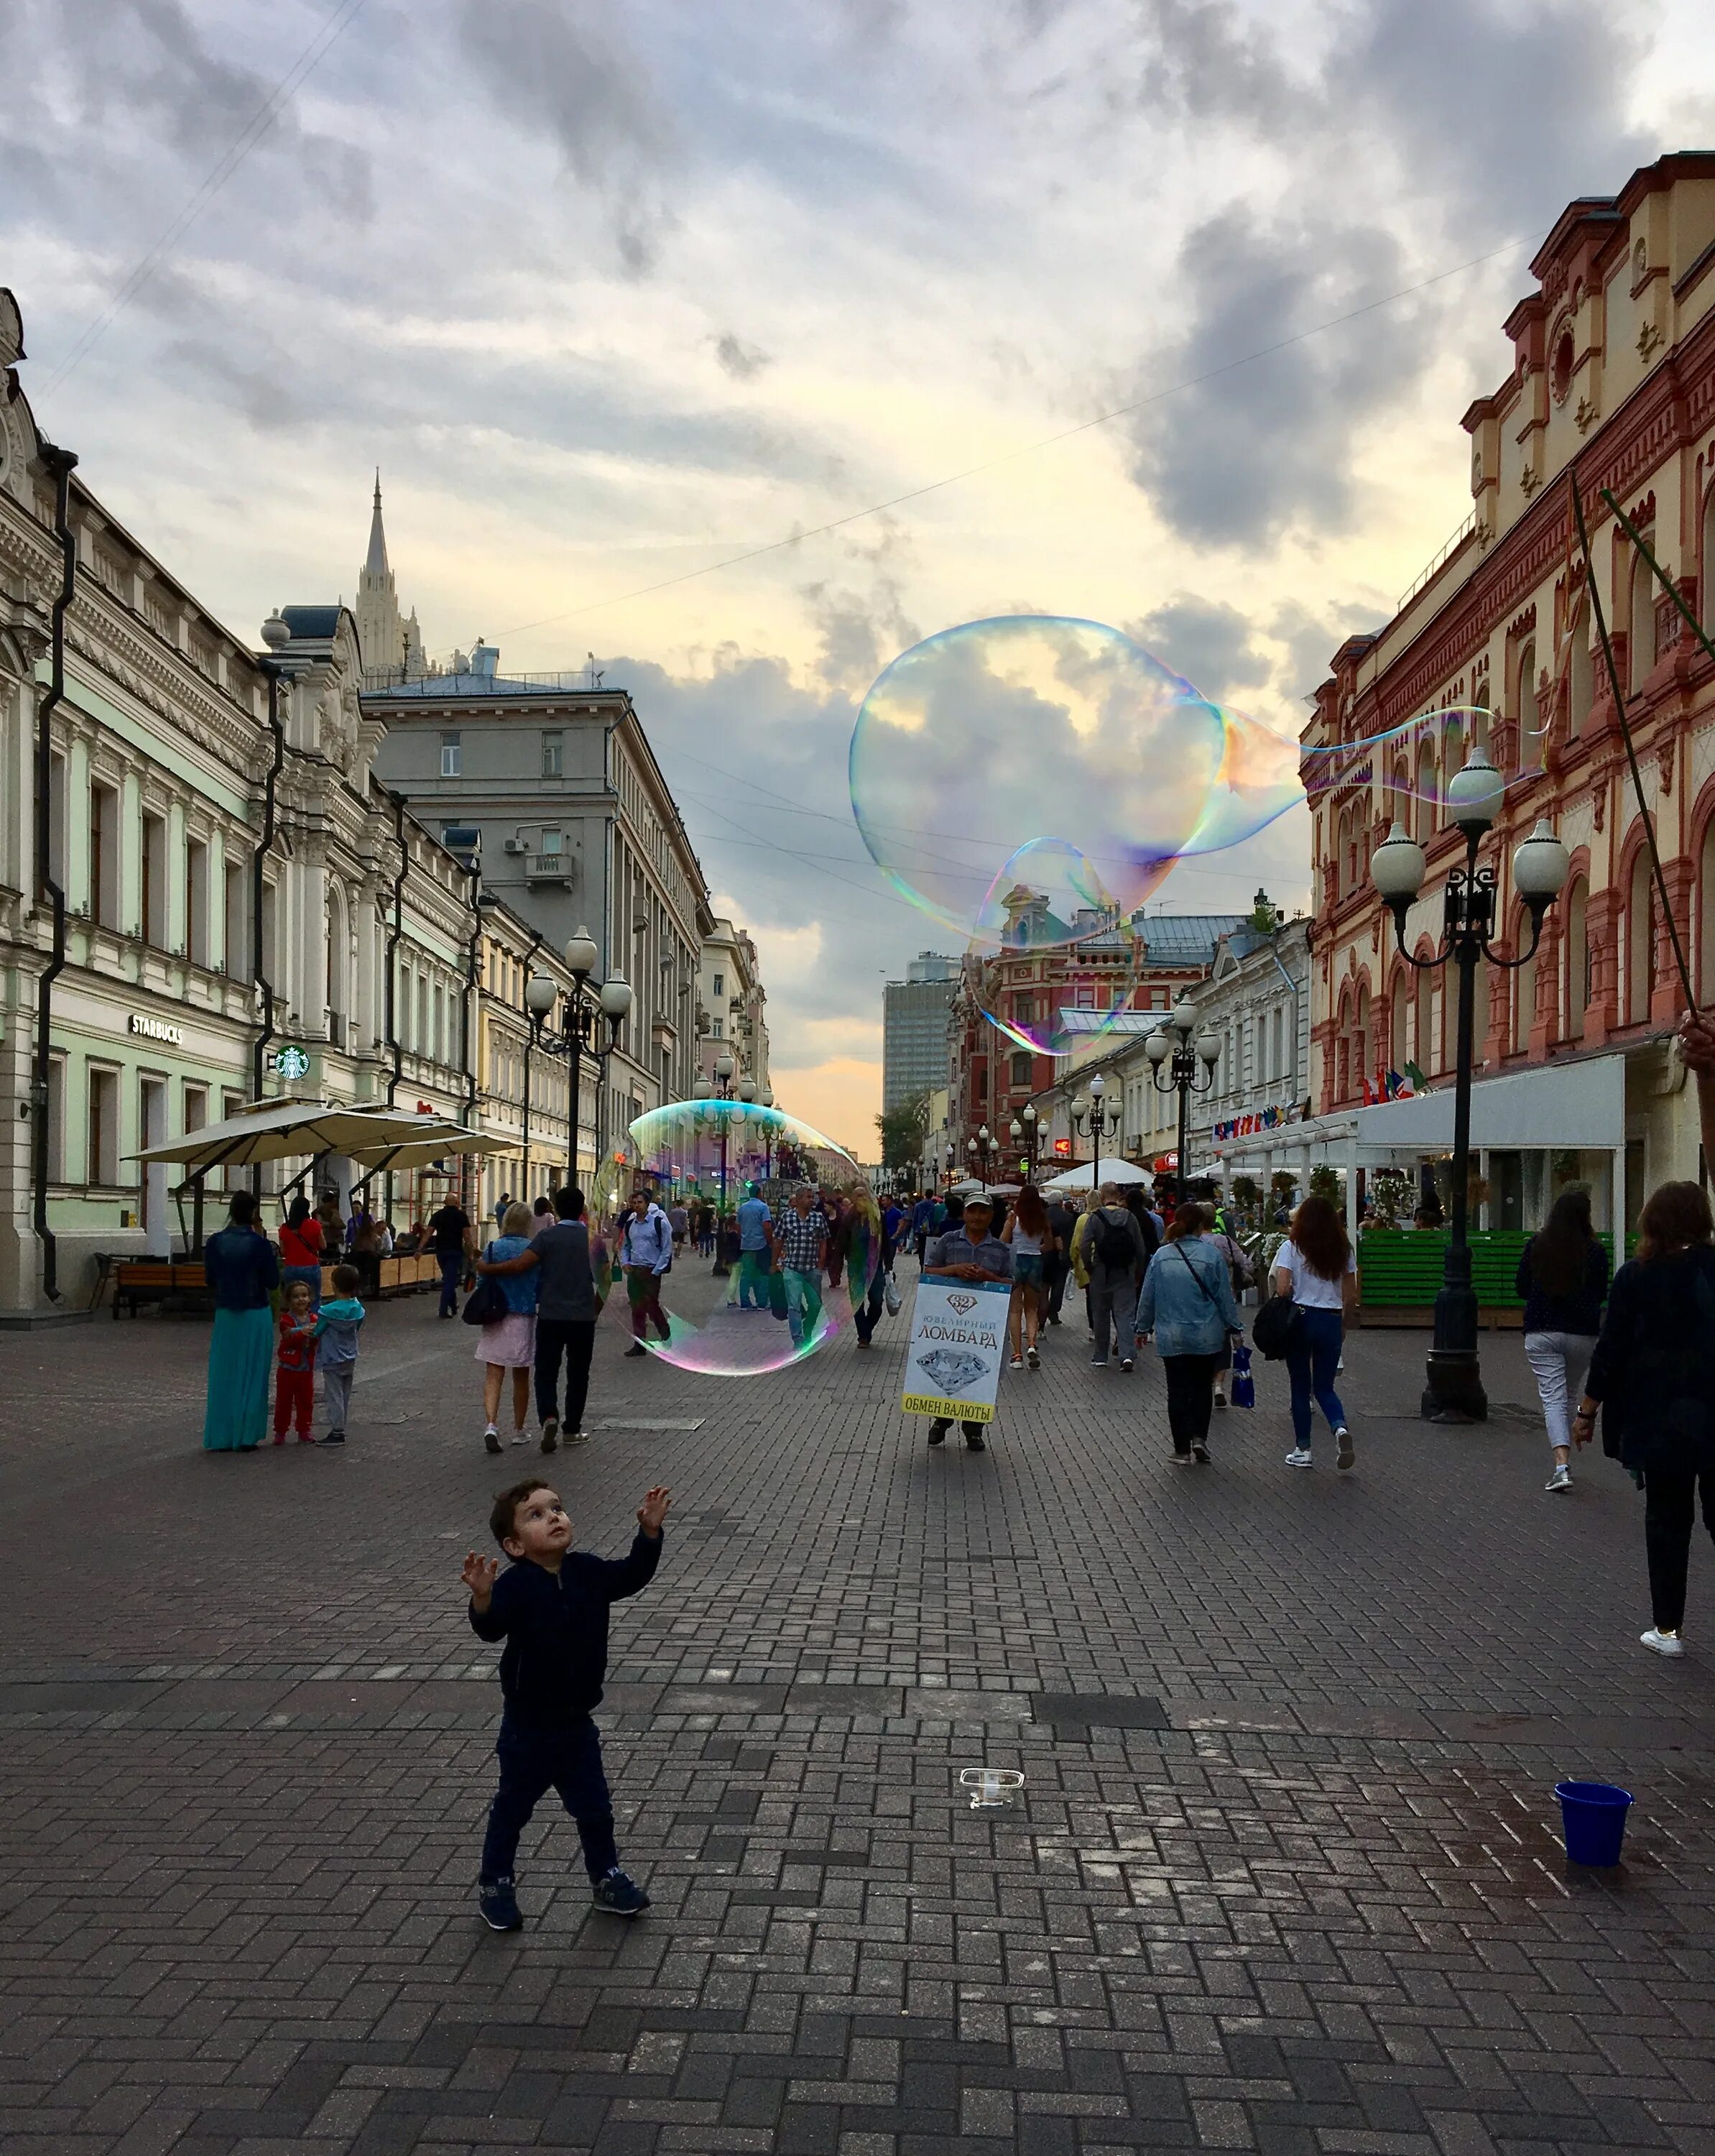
721	984
1022	1068
452	755
56	818
101	1157
195	1108
552	842
1639	942
197	902
154	920
715	1032
553	756
232	946
103	855
56	1119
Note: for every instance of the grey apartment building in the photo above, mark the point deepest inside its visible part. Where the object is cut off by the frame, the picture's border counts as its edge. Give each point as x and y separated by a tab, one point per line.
915	1028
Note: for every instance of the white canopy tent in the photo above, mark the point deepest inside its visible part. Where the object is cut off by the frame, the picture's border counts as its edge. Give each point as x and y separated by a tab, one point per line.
1575	1106
1114	1170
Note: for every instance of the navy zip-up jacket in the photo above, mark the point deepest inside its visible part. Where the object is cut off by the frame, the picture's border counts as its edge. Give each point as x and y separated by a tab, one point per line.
555	1625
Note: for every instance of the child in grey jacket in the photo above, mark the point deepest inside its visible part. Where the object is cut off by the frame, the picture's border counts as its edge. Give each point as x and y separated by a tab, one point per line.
337	1325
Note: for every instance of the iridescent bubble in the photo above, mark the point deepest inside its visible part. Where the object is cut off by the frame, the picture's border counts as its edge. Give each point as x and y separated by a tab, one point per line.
1414	762
1032	741
726	1154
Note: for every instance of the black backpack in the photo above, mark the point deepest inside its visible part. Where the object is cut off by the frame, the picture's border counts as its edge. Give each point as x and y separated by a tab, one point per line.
1114	1247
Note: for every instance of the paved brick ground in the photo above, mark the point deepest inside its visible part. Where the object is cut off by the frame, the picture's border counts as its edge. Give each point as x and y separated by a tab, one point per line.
1285	1875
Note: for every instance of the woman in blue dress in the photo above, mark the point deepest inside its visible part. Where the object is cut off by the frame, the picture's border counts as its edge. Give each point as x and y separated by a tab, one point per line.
242	1269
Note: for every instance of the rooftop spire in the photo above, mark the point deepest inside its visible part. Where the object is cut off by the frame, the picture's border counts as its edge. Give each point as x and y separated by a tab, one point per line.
377	563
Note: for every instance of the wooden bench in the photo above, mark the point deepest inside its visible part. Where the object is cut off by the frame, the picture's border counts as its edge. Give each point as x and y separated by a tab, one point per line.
169	1283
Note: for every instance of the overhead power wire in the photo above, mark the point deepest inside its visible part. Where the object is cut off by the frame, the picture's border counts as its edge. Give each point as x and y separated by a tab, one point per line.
329	35
1023	449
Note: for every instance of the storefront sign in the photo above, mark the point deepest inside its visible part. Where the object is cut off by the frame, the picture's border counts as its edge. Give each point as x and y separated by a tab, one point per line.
958	1336
291	1061
156	1029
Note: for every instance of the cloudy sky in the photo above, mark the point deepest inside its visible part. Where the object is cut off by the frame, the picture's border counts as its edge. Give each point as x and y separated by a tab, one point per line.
613	294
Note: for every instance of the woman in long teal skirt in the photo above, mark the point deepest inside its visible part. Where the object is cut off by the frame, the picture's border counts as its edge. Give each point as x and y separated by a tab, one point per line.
242	1268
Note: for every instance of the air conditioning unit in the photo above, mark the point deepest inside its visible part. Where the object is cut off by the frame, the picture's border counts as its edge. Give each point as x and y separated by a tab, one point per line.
516	846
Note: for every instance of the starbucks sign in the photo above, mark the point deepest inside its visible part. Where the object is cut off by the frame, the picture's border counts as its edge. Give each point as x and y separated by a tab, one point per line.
291	1061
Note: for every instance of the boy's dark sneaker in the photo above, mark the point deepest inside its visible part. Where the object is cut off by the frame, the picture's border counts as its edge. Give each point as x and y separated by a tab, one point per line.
498	1903
938	1433
550	1433
620	1895
637	1348
975	1442
334	1437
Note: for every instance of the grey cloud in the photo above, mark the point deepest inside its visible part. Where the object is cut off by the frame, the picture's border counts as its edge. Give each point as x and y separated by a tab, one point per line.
559	64
1204	61
1312	639
265	395
1208	641
1239	457
743	361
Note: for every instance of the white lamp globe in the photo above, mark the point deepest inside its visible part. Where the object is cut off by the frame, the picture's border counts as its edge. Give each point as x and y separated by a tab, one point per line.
1397	866
1474	794
1541	864
1185	1014
541	994
615	997
1159	1046
581	951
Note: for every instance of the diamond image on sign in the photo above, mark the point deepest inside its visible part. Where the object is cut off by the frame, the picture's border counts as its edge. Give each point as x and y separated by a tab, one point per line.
950	1369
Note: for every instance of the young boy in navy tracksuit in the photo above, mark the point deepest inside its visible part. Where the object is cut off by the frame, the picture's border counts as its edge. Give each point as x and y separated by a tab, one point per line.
550	1607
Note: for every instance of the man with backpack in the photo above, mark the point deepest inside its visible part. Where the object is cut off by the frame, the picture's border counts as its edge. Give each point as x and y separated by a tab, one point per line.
1116	1253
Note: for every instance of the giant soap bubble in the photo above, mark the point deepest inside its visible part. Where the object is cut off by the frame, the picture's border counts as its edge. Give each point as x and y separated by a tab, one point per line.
1035	778
725	1153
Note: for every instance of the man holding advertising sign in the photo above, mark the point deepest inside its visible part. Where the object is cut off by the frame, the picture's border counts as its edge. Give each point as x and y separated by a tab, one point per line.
958	1327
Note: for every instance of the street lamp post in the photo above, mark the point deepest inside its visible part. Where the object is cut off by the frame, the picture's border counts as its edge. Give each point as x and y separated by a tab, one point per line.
1453	1392
1091	1114
1176	1062
725	1067
574	1037
1023	1134
978	1149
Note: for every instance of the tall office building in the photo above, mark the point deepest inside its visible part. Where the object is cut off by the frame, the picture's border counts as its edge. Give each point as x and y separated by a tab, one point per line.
915	1028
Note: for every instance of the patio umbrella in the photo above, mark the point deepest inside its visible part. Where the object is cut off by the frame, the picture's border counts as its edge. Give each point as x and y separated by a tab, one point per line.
429	1140
291	1130
1112	1171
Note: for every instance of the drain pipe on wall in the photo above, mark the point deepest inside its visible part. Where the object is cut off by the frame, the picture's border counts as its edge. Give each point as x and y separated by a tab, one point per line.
398	931
60	464
273	670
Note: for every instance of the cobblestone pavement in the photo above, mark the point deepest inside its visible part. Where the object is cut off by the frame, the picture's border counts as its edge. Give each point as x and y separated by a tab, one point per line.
1285	1875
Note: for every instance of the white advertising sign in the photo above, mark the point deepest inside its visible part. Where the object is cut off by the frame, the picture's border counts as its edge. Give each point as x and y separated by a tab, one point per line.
958	1339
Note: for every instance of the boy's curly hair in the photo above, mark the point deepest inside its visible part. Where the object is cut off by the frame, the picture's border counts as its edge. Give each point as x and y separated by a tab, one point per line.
503	1518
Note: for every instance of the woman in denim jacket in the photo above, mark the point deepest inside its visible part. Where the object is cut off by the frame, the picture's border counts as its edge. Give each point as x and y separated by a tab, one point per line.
1187	1303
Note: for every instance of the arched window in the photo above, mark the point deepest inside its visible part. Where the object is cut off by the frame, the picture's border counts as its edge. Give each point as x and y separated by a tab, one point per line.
1428	792
1531	724
1399	1054
337	964
1706	559
1523	986
1423	1031
1706	908
1480	1015
1363	1059
1480	719
1641	623
1576	992
1640	941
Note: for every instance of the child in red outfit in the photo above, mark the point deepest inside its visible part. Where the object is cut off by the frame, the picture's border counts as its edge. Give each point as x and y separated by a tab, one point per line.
294	1378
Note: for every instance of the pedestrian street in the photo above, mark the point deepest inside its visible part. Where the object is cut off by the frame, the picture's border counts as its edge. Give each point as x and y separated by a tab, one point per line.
1284	1873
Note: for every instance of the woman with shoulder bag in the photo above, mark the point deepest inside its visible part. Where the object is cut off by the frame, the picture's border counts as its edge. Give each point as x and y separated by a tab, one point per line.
1316	1268
1187	1303
1563	1278
1238	1271
507	1341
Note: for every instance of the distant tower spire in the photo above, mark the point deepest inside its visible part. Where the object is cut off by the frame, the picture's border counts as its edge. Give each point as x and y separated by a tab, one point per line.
376	564
381	634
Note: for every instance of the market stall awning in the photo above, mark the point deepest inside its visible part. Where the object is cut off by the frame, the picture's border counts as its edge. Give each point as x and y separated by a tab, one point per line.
291	1130
1112	1171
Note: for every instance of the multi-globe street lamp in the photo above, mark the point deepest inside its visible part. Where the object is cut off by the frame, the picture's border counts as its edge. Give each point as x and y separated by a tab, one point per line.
574	1037
1453	1392
722	1087
1101	1119
977	1150
1023	1135
1181	1064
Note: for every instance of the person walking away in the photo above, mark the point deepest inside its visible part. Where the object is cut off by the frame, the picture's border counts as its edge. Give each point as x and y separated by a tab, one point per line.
452	1238
1653	1370
541	1212
800	1242
869	1261
571	1267
550	1607
502	1203
1562	1279
680	1219
968	1250
1030	1238
1115	1253
645	1253
1238	1270
1187	1303
241	1269
337	1325
756	1225
509	1342
1318	1268
294	1365
922	1214
300	1249
1057	1259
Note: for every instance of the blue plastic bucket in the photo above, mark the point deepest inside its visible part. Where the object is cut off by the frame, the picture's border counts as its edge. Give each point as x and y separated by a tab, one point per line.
1594	1815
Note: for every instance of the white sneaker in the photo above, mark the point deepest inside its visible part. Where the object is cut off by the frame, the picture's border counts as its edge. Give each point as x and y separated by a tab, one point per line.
1300	1456
520	1437
1662	1643
1016	1363
1343	1438
1561	1479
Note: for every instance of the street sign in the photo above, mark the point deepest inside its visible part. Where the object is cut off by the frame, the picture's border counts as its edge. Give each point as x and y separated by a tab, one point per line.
958	1336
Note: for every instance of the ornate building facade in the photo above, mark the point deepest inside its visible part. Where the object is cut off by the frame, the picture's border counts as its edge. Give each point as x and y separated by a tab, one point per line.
1612	387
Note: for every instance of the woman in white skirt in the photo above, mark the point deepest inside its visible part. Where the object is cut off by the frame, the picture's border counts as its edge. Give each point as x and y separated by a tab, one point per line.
510	1342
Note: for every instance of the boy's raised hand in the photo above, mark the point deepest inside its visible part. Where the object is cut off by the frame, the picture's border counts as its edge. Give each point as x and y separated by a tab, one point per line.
479	1575
657	1504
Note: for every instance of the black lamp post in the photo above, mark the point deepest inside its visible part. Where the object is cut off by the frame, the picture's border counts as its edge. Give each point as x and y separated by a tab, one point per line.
575	1036
1091	1114
977	1149
720	1088
1023	1134
1454	1391
1180	1063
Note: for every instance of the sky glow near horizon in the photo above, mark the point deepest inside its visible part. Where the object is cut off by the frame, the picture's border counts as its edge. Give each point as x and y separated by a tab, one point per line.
610	295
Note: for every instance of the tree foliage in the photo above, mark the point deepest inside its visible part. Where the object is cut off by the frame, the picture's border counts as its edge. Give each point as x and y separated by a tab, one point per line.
902	1131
